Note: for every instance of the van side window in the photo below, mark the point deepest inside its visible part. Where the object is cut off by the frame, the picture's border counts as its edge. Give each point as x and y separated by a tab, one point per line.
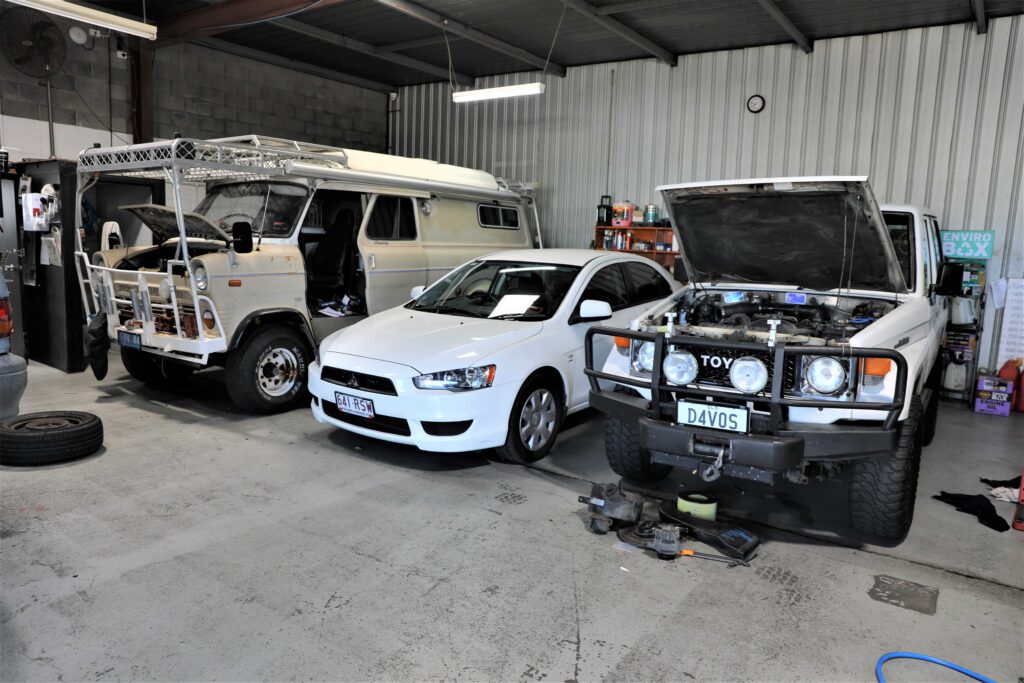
492	216
393	218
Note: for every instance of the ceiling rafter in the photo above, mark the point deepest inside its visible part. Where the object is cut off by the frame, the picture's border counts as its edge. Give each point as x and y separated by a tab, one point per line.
788	26
632	6
617	27
458	28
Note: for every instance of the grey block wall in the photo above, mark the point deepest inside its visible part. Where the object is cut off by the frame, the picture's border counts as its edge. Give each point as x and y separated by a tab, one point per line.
200	92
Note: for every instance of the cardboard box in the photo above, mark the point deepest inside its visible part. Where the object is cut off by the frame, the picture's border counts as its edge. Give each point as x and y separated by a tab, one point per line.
993	396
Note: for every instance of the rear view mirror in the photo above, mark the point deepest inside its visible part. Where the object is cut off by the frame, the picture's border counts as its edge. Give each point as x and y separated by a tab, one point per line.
241	236
592	310
416	291
951	279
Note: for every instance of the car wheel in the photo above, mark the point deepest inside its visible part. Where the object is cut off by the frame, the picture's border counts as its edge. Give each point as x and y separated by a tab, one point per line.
267	373
154	370
626	457
534	422
50	437
883	489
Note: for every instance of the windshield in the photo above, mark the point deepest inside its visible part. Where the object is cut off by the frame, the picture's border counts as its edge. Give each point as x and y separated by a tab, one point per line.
271	208
502	290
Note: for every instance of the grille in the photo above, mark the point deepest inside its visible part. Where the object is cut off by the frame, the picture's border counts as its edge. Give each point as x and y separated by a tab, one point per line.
358	380
720	376
446	428
380	423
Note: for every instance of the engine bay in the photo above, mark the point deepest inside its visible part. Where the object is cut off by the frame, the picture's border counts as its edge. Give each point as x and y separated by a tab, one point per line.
797	317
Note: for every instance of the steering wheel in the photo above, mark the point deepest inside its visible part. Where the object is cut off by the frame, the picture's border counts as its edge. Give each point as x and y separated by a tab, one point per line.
224	221
480	296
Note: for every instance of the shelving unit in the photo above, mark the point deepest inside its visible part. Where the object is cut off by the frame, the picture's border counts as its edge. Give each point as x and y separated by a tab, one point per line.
640	233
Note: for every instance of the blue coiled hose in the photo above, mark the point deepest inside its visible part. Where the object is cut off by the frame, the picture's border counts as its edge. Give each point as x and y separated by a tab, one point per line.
926	658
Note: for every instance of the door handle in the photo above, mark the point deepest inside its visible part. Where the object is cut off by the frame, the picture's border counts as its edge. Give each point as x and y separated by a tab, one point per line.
373	261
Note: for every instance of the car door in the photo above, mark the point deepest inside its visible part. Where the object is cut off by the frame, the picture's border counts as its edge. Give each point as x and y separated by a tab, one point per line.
392	252
630	288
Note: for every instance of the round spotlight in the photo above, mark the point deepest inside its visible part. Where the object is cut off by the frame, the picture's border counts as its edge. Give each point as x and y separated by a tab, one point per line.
680	367
826	375
645	357
748	374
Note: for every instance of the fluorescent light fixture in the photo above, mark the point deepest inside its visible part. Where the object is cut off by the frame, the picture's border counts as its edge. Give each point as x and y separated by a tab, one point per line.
88	15
498	93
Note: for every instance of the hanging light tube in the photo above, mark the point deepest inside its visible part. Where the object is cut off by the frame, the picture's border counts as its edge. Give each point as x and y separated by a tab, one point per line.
498	93
91	16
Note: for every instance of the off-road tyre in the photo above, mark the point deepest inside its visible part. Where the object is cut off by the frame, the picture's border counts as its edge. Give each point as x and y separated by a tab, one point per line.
883	488
626	457
46	438
154	370
930	419
274	348
541	396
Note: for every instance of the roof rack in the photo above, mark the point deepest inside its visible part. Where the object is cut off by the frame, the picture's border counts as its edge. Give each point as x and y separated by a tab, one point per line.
197	161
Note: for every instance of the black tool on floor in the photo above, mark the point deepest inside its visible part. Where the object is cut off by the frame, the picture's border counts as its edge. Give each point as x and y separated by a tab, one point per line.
611	507
666	541
733	540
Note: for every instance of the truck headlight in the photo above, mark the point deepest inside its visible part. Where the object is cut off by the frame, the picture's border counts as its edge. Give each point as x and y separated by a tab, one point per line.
826	375
680	367
202	280
748	374
644	360
461	379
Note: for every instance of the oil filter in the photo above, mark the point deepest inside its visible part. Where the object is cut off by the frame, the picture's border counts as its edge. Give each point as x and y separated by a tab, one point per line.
700	505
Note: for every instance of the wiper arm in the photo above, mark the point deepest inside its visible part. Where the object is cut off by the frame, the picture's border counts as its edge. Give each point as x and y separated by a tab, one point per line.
450	310
519	316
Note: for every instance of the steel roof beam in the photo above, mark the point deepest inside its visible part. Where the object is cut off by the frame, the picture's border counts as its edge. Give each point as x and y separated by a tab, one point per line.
632	6
339	40
418	42
231	14
788	26
294	65
978	10
617	27
445	23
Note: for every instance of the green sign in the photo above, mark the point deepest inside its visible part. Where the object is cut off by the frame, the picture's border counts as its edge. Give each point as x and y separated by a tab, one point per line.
973	244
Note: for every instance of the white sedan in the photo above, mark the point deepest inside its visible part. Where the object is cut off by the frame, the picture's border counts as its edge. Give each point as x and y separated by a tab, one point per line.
490	356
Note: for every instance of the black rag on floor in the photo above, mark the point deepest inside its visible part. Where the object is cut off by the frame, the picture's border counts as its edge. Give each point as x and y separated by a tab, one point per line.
997	483
977	505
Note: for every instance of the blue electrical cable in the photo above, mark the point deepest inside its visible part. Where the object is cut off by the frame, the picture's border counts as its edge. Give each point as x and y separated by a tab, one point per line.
926	658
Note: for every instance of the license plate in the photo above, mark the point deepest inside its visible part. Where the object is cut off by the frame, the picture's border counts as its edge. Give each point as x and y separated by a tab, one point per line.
129	340
710	416
353	405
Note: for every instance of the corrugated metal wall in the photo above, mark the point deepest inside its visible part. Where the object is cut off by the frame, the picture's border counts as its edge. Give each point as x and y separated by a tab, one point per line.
934	116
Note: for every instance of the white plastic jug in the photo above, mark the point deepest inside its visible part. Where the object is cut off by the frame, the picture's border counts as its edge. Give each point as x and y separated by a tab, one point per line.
963	311
955	377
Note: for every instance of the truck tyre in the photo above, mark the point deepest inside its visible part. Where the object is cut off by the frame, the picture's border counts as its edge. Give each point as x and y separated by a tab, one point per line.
50	437
534	421
883	488
626	457
267	373
154	370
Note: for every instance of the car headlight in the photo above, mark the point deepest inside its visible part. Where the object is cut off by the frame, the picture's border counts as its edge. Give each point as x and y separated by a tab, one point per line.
748	374
680	367
462	379
201	278
826	375
644	360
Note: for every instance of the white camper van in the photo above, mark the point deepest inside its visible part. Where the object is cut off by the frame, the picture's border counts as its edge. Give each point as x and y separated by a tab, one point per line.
290	242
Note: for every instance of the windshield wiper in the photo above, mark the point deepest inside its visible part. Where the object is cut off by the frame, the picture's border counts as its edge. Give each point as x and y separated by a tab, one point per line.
519	316
450	310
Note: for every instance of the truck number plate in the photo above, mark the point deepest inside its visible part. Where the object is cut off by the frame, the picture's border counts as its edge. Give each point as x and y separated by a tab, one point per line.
129	340
709	416
353	405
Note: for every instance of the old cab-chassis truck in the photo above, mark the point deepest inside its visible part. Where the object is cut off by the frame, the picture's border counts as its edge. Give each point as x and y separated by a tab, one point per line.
806	343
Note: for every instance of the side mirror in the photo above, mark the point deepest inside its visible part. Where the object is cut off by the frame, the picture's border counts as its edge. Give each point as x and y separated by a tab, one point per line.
951	279
416	291
592	310
241	237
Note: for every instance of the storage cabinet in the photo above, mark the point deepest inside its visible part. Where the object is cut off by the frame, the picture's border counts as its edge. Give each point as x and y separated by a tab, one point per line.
655	242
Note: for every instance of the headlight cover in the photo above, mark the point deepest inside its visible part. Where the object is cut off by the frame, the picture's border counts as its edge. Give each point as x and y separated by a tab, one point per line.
680	367
461	379
748	374
201	278
826	375
644	360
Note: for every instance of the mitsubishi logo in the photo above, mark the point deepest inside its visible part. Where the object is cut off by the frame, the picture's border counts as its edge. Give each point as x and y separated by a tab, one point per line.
715	361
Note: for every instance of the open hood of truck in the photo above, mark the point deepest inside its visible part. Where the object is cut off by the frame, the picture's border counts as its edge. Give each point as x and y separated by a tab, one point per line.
164	224
816	233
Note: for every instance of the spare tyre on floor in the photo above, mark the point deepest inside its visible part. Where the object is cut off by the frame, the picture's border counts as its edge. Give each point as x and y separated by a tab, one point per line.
49	437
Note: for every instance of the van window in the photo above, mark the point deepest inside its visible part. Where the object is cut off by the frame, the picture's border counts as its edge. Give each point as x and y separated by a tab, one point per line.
393	218
901	230
491	216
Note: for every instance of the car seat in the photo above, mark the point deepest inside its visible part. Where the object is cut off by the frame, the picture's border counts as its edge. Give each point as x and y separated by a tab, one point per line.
327	263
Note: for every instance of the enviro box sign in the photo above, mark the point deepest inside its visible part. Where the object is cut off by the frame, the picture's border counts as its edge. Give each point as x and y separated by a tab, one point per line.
972	244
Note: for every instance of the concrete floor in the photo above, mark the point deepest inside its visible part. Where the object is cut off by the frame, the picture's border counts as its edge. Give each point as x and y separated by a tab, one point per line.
202	544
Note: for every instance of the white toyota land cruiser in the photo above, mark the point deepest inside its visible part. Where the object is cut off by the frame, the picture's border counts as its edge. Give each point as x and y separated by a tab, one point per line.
806	342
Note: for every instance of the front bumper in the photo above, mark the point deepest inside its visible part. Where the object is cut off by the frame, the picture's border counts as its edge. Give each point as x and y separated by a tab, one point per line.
774	444
410	412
